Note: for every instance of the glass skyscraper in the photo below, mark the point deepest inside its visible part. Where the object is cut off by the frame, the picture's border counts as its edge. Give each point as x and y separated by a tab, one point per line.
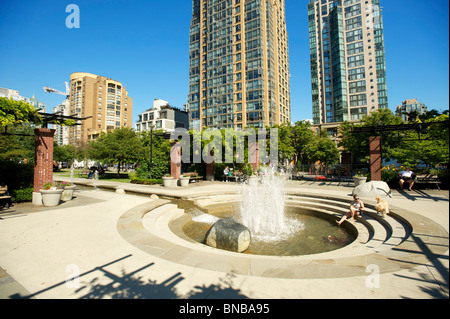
348	70
239	64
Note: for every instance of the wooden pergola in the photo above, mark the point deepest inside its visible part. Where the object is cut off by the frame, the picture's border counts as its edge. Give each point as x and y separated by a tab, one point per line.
418	127
58	118
375	140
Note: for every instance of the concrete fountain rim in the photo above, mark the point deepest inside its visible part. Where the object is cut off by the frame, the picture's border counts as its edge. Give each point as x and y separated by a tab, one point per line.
426	241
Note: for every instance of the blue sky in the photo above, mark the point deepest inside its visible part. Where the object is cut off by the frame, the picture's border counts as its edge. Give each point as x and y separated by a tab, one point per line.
145	45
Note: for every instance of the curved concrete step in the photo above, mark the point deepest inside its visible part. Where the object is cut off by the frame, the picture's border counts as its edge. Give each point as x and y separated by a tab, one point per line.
377	232
399	233
387	232
157	220
335	264
380	234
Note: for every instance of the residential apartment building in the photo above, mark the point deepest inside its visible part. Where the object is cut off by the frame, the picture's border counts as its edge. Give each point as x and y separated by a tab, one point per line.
104	100
61	136
14	94
239	64
162	116
408	106
348	71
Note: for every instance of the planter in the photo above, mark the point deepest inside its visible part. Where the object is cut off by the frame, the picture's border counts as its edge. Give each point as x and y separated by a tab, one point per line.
184	181
51	197
359	180
67	194
167	181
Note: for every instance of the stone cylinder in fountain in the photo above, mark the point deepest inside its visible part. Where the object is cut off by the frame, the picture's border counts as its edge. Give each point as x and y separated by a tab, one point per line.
229	235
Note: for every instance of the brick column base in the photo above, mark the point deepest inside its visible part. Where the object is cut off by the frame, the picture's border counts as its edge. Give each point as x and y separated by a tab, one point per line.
254	156
210	166
43	167
175	160
375	158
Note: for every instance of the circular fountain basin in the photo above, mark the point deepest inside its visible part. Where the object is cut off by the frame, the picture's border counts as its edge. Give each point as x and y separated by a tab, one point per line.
312	232
393	243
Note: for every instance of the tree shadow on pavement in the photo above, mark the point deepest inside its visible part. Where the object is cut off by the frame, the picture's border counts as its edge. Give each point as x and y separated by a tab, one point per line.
109	285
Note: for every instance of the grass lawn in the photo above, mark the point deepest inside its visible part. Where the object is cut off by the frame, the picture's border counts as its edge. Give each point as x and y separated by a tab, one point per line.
109	176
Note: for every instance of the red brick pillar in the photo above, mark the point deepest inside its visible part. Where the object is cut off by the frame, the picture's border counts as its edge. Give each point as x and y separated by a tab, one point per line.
43	167
254	156
175	160
210	167
375	158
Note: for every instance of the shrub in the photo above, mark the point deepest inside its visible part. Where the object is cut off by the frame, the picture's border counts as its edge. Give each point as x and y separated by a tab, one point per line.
134	179
16	175
19	179
157	170
190	174
247	169
389	174
22	195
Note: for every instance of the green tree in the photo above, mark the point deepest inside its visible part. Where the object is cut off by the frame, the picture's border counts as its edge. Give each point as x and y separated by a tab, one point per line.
302	135
16	112
321	148
16	135
431	149
18	144
120	146
286	147
155	159
63	153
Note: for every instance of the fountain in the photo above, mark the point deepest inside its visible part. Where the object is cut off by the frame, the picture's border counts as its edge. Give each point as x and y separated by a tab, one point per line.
262	208
71	174
174	230
293	231
95	180
276	226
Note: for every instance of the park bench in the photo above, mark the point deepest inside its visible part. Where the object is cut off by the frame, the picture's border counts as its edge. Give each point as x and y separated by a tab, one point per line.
193	177
427	179
235	178
5	199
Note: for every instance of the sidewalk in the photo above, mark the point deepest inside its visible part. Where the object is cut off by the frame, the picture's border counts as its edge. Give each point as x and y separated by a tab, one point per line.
43	248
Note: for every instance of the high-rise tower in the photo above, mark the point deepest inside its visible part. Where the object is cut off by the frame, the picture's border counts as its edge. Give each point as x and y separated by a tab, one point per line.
104	100
348	70
239	64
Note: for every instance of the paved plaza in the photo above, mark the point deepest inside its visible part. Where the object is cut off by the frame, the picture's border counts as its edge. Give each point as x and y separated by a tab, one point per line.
42	249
